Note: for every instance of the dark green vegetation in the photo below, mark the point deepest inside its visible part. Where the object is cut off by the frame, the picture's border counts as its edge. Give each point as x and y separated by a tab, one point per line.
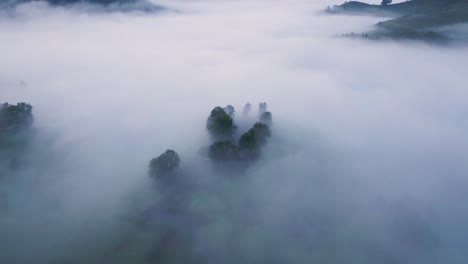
249	145
15	117
226	146
165	164
248	148
220	124
15	123
250	142
415	19
223	151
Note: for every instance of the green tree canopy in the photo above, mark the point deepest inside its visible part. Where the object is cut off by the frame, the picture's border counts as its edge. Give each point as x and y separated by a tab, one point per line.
223	151
166	163
16	117
220	124
248	146
248	140
221	127
251	141
262	132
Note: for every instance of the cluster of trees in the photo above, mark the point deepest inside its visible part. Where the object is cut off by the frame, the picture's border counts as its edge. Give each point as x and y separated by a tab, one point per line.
15	121
15	117
225	147
165	164
353	35
248	146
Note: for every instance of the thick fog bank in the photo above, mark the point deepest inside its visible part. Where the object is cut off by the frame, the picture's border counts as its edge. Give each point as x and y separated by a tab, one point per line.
366	163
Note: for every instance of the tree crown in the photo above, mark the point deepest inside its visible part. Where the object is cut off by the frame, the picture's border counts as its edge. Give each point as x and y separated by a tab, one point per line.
165	163
17	116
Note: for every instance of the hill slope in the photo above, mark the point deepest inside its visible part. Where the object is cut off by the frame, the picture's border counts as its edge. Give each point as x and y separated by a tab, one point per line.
412	7
452	13
415	19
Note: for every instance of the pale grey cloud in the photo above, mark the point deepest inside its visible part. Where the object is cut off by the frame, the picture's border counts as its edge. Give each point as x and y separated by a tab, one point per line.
366	163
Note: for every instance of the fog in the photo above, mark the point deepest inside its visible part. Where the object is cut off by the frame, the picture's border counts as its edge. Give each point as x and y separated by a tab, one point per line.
366	163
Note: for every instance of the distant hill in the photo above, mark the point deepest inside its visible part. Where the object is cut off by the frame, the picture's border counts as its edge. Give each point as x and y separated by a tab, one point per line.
452	12
412	7
105	5
415	19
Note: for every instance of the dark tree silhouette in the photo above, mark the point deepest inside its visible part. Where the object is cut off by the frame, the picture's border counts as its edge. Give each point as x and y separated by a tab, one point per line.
251	141
220	124
248	141
223	151
262	133
386	2
248	146
221	127
16	117
165	164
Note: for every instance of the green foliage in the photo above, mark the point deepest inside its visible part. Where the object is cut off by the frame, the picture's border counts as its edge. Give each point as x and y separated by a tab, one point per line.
221	127
217	111
262	132
248	140
248	146
220	124
15	137
251	141
223	151
255	137
165	164
15	117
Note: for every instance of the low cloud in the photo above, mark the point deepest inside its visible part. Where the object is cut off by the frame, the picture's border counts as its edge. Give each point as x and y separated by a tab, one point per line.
365	162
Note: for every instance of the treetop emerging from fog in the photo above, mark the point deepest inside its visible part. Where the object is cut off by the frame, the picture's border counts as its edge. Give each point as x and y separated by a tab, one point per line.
15	117
164	164
248	146
220	124
226	146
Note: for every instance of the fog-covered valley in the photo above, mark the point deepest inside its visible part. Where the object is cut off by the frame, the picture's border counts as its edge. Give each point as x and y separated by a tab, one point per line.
366	162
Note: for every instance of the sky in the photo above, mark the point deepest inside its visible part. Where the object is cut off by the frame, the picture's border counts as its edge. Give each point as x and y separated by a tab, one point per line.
366	162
